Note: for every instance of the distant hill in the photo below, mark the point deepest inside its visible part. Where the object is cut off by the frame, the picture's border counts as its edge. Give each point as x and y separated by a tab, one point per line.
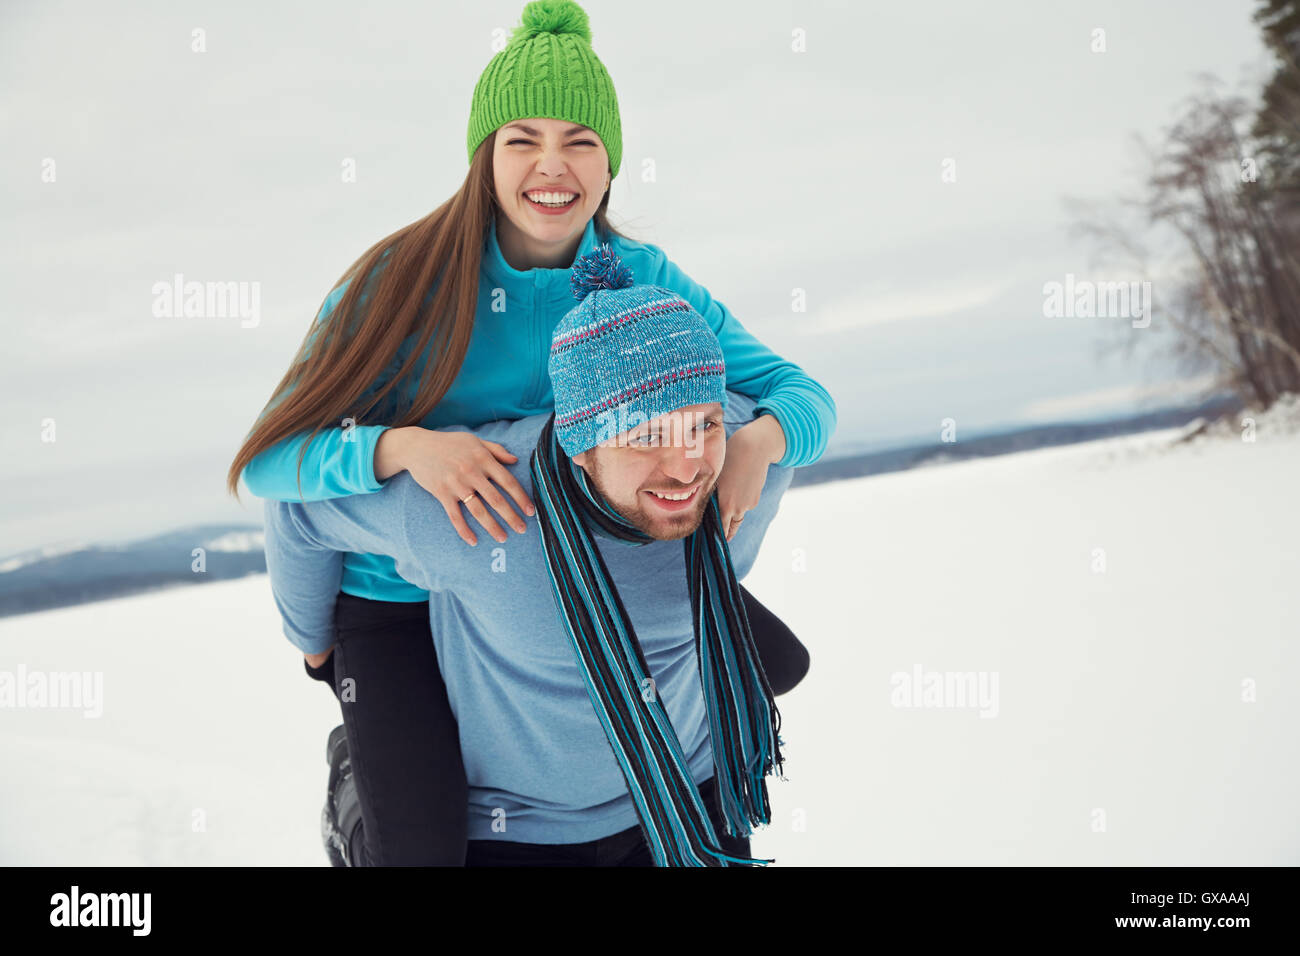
56	577
77	573
1006	442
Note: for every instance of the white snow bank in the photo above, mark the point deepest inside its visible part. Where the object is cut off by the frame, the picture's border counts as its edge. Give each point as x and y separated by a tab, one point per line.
1120	734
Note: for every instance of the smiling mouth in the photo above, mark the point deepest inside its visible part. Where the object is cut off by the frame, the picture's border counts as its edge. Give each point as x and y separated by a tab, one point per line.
552	205
675	504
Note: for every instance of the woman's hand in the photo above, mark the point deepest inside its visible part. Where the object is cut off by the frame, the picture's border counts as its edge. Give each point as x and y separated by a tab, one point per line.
452	466
750	449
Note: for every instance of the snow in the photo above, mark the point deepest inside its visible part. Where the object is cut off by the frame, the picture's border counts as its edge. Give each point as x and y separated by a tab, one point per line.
40	554
1120	736
238	541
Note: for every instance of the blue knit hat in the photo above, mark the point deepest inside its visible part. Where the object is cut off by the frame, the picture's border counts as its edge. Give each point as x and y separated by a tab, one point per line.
626	354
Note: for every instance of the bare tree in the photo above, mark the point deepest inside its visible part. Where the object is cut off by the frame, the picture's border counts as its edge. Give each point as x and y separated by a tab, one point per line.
1234	305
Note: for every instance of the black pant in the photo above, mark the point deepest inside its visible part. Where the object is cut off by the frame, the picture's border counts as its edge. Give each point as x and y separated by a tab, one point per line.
403	738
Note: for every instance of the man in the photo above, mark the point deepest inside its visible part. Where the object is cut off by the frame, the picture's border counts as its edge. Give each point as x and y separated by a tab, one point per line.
666	722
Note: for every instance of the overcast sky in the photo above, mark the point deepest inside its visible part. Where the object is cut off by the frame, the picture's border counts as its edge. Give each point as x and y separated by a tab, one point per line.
774	170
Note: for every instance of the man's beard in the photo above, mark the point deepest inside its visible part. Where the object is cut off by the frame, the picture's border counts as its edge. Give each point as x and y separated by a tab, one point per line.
659	525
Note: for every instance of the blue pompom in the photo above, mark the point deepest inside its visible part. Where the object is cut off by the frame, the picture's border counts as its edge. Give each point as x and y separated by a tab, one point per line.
601	269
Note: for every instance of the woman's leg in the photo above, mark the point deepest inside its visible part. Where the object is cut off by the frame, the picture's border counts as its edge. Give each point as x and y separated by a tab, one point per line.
324	673
402	736
784	659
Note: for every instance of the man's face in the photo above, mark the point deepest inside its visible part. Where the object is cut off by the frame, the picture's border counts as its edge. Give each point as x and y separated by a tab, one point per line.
680	452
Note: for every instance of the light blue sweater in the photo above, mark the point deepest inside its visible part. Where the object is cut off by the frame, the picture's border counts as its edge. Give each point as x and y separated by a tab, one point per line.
505	377
531	741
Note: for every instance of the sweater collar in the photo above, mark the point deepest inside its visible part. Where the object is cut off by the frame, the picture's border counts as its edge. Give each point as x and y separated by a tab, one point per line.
554	282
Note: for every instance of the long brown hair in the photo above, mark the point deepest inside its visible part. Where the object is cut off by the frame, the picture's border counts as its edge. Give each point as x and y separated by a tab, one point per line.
327	381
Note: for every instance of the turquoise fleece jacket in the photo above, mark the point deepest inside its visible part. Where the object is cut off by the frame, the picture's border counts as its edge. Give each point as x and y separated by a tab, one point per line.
505	377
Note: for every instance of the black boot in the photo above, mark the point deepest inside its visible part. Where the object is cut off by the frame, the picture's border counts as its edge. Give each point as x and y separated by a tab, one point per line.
340	821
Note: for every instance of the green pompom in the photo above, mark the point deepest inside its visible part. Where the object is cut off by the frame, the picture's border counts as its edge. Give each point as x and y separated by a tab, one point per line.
552	16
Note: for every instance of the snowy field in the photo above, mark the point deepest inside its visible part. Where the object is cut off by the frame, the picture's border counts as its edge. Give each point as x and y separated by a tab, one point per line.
1132	607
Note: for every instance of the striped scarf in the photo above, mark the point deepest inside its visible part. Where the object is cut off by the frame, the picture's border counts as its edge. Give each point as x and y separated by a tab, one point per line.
743	719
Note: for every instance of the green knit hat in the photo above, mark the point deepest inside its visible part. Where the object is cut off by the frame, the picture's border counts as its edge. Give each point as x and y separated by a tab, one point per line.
549	70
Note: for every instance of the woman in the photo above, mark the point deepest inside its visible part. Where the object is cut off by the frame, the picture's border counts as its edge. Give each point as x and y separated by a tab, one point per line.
390	367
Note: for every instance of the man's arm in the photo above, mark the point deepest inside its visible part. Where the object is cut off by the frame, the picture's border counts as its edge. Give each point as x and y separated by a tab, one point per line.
305	542
304	577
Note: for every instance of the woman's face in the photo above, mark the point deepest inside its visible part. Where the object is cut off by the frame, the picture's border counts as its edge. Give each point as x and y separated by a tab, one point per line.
539	156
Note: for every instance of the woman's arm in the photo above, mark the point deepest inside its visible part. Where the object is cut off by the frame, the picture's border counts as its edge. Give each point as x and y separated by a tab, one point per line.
335	466
804	409
339	461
